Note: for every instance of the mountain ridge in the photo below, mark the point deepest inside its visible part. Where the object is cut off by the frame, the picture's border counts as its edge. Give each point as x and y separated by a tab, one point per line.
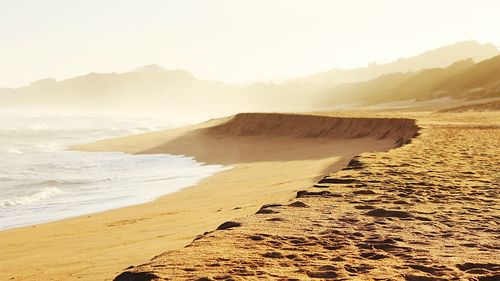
440	57
461	80
154	88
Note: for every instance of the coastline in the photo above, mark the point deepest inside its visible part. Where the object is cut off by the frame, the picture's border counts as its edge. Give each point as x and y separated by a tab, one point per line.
101	245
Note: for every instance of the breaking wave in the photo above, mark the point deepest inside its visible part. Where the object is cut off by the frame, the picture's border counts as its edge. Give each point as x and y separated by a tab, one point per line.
28	199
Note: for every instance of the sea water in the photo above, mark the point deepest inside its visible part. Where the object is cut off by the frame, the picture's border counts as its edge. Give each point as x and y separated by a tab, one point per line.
41	181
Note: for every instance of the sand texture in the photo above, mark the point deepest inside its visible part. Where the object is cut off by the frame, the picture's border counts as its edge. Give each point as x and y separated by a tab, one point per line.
268	165
429	210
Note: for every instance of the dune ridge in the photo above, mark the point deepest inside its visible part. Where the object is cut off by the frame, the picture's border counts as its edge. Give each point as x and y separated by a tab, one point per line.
250	137
315	126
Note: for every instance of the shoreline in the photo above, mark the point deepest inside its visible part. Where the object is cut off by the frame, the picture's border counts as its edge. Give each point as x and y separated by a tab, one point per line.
176	181
104	244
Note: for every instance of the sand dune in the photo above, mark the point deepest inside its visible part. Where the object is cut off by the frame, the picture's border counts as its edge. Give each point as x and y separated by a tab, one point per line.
259	137
250	137
313	126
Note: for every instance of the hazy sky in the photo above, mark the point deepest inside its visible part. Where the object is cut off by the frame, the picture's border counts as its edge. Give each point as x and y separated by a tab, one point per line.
228	40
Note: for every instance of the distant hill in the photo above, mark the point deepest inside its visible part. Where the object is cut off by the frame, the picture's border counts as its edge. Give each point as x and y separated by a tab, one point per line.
487	106
436	58
461	80
148	88
154	89
481	80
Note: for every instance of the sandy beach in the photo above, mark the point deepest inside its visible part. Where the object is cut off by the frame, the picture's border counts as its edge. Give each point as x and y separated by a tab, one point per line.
266	166
425	211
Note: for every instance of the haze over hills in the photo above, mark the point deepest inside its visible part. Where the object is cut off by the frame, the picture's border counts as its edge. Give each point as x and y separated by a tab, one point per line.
148	88
440	57
154	89
461	80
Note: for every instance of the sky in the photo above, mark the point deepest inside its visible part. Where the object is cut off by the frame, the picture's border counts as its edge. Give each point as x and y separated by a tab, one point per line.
228	40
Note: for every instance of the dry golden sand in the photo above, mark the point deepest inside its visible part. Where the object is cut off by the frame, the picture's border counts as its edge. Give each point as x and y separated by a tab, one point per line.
265	169
429	210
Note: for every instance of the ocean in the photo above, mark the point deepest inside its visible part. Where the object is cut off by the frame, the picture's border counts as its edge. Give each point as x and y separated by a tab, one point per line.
41	181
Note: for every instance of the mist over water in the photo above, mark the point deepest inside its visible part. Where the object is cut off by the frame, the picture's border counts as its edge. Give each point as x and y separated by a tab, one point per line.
41	181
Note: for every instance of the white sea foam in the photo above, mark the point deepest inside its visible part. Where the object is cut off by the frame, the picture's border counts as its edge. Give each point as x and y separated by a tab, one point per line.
13	150
39	127
40	181
28	199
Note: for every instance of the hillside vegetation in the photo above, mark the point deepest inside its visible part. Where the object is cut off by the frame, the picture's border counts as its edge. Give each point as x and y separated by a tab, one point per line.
461	80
